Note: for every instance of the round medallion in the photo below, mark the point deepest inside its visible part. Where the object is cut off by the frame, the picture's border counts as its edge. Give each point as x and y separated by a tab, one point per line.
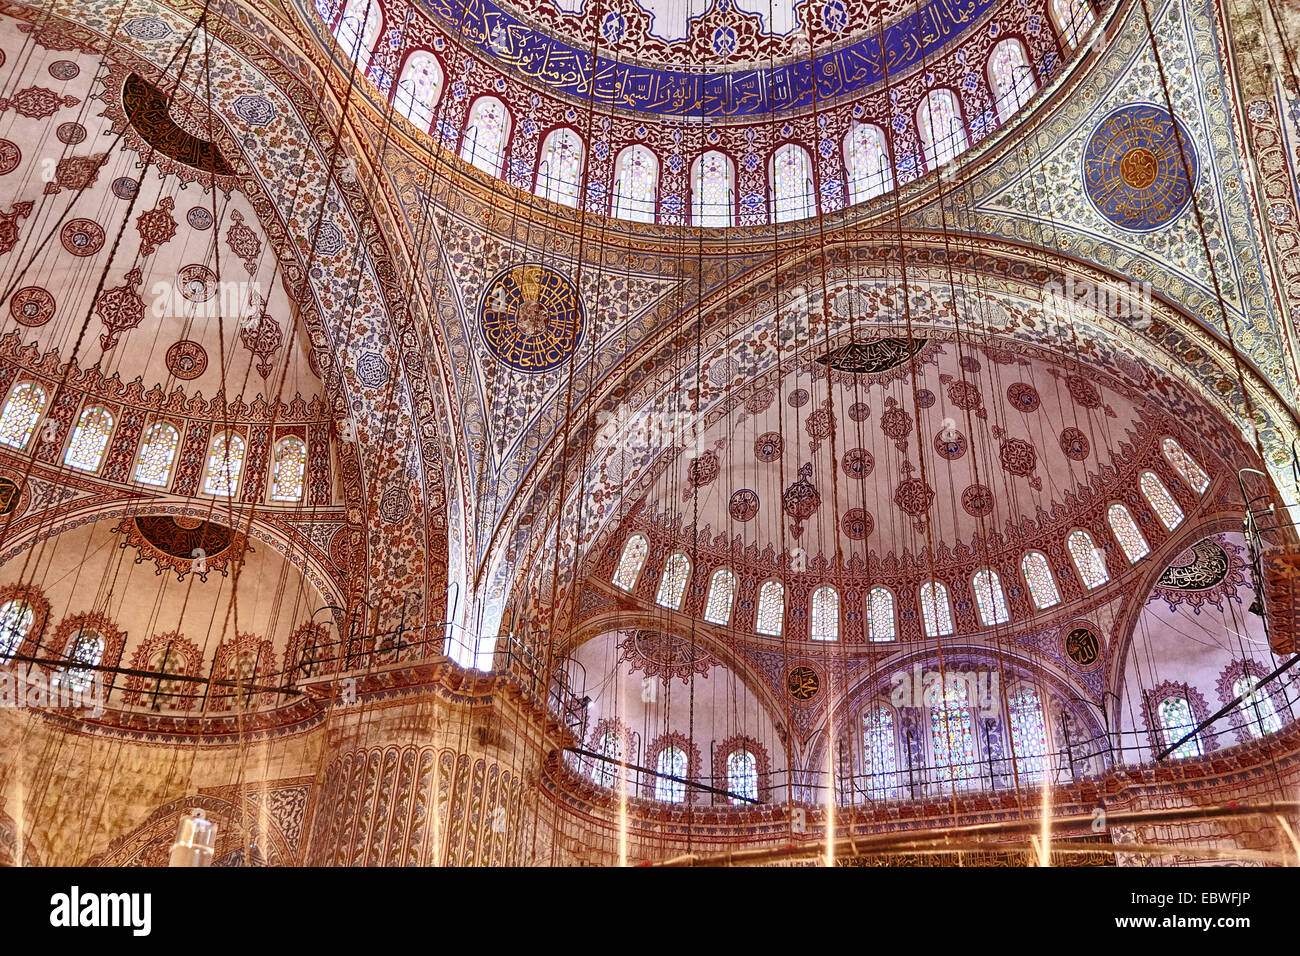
859	412
798	398
82	237
199	218
64	70
1074	443
124	187
10	156
186	360
743	505
803	682
1082	646
950	445
857	523
1023	396
10	492
197	283
1132	171
924	398
32	306
768	446
977	501
531	318
70	133
857	463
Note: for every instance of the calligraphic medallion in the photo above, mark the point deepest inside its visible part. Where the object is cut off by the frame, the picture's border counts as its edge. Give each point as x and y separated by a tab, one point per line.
1132	171
531	318
803	682
1082	645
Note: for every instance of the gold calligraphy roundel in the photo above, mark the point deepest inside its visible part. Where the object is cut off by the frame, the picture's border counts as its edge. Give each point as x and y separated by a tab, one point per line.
803	682
1132	171
531	318
1082	645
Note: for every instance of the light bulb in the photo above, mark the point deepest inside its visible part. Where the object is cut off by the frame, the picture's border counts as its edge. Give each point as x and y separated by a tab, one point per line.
196	836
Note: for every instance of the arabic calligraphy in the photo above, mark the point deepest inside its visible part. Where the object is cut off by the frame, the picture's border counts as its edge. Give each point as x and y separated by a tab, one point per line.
1132	171
567	69
531	318
878	355
1202	566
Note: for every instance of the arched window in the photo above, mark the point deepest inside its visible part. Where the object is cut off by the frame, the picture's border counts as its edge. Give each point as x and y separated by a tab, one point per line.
952	736
357	29
989	598
86	649
793	193
935	610
939	121
1028	735
559	170
1127	534
866	160
1012	76
1176	721
1074	18
880	615
879	752
711	195
22	412
636	184
742	775
1185	465
605	772
16	619
156	455
1256	707
418	89
484	142
631	562
1038	575
722	591
290	468
672	761
771	608
89	439
672	583
825	614
225	462
1087	559
1161	501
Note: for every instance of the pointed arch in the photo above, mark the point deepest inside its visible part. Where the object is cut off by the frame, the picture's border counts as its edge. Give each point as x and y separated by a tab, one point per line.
225	462
1028	734
722	593
1087	560
1127	533
989	598
89	440
880	615
794	193
936	612
943	132
880	752
632	560
559	167
1073	19
358	29
825	614
1038	575
21	413
712	194
290	469
157	452
486	133
866	160
1011	76
1160	500
1182	462
672	583
419	87
636	184
771	609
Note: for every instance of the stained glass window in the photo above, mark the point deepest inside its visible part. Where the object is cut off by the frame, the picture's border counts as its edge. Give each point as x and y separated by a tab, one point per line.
418	89
1185	465
880	615
879	752
1091	565
1158	496
793	195
1074	18
637	184
1127	533
156	455
1256	706
1013	79
722	591
1028	735
484	142
89	439
1038	575
672	761
742	775
224	464
559	172
935	611
825	614
672	584
606	771
990	599
630	564
16	619
1176	721
771	608
86	648
290	467
21	414
940	123
866	159
711	198
953	736
357	29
